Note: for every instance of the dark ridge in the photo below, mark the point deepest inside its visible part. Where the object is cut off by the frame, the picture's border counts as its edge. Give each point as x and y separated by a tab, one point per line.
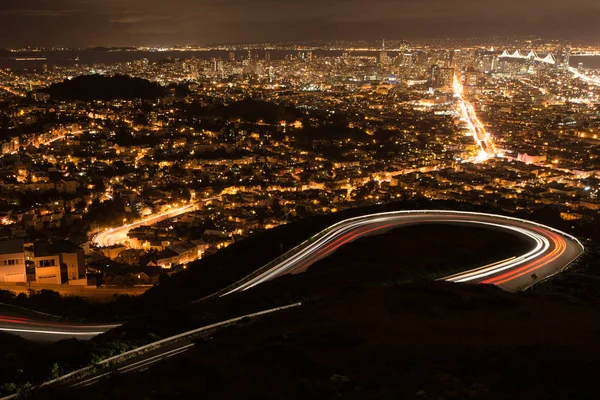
100	87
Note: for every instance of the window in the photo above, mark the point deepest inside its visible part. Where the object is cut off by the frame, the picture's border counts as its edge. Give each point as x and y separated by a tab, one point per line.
47	263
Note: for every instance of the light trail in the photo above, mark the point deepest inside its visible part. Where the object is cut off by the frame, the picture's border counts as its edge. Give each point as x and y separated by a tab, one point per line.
118	235
33	329
583	77
487	149
549	253
50	332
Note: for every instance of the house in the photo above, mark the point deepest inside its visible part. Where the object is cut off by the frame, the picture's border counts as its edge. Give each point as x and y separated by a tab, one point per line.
180	253
166	258
58	262
67	186
113	252
12	261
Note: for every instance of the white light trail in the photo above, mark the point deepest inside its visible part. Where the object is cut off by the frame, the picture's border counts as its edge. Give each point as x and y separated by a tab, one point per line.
74	333
583	77
336	235
118	235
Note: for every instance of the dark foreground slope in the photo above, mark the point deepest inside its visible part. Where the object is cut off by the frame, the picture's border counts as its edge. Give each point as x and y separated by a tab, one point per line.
420	253
366	332
425	341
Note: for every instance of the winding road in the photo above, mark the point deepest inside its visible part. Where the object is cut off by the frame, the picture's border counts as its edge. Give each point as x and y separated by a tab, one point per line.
118	235
551	251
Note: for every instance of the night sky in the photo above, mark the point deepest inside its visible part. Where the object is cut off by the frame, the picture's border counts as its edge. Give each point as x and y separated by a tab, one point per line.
165	22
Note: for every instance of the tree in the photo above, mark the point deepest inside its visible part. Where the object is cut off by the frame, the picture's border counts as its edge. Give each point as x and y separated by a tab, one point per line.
301	211
55	371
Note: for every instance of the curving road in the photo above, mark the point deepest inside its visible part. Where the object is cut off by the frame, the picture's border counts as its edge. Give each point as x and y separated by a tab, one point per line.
118	235
550	252
50	331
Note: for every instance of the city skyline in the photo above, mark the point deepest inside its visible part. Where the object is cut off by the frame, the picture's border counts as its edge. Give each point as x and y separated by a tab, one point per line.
135	23
299	199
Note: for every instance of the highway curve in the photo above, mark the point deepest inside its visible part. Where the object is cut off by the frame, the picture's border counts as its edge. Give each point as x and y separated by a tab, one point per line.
550	253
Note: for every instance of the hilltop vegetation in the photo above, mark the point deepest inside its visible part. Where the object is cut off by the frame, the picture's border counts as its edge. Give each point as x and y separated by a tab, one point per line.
100	87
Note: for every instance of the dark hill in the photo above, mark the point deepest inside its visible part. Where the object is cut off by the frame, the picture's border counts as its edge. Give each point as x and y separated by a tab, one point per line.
255	110
418	341
100	87
372	325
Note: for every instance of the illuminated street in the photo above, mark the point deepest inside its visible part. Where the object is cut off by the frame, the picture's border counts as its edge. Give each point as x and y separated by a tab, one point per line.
467	112
118	235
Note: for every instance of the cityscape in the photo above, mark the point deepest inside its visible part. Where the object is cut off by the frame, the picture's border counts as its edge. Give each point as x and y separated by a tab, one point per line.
166	185
316	218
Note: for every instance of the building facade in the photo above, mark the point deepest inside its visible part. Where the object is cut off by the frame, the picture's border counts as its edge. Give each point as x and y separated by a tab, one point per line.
59	262
12	261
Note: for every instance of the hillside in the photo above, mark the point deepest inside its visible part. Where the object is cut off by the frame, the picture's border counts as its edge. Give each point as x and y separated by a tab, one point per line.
100	87
409	341
400	256
398	266
395	258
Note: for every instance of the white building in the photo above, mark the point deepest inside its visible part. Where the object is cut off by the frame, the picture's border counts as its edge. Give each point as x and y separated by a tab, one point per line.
59	262
12	261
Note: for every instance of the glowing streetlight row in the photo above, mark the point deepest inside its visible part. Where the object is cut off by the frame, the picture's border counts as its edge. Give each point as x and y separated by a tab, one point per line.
484	140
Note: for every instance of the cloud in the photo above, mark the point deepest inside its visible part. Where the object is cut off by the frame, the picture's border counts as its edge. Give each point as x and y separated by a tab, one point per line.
140	19
37	13
134	22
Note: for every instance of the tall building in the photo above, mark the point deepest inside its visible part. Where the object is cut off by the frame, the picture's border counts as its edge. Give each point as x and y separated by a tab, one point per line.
384	58
12	261
267	55
194	72
563	58
567	58
472	77
433	75
231	56
305	55
489	63
441	77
